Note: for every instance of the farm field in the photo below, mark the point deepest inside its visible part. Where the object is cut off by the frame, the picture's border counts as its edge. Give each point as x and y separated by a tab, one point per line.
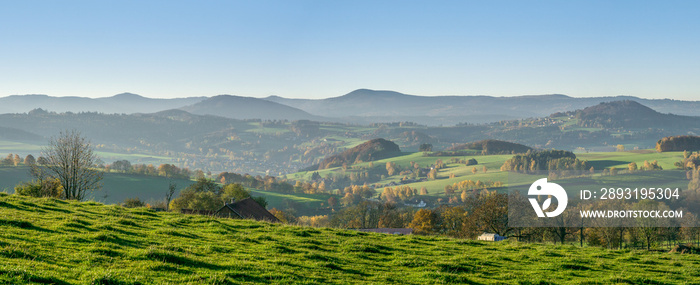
599	160
51	241
18	147
115	186
119	186
23	149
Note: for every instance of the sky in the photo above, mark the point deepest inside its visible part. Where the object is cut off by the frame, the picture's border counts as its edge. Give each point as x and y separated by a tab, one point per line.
320	49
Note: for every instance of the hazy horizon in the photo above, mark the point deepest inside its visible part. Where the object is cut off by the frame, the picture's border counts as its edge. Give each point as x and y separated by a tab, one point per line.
312	49
338	95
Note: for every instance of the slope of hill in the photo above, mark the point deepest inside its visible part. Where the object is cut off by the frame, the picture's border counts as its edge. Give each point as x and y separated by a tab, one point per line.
371	150
366	106
631	114
17	135
493	147
51	241
237	107
125	103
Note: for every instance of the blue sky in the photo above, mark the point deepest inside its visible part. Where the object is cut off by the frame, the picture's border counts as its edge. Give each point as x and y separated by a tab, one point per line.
319	49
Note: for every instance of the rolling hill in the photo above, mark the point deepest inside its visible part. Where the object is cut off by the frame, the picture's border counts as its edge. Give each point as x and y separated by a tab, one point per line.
17	135
362	106
368	151
125	103
49	241
631	114
491	146
238	107
368	106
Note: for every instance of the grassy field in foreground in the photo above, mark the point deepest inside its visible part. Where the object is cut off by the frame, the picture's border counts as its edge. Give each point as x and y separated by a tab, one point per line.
50	241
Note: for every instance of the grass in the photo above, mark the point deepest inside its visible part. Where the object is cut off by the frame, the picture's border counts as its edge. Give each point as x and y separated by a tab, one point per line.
18	147
24	149
51	241
622	158
134	158
115	186
599	160
119	186
277	200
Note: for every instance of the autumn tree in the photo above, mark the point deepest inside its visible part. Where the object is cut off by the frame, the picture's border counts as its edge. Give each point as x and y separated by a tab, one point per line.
285	217
390	168
332	201
620	147
423	222
424	190
632	167
348	199
29	160
433	174
489	212
70	158
451	221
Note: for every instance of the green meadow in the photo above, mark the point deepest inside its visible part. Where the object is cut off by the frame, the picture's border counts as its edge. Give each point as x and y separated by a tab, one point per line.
49	241
116	187
119	186
599	160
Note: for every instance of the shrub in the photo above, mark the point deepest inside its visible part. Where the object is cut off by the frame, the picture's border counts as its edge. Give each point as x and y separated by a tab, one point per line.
46	188
133	203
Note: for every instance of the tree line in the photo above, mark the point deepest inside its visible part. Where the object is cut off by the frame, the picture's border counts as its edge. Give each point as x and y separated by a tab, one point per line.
678	143
165	170
534	161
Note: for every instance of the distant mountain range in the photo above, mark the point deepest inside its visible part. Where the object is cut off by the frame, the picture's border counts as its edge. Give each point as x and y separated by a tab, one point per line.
365	106
361	106
208	141
125	103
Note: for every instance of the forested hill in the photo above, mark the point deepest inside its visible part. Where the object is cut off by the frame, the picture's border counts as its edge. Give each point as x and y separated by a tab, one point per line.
237	107
371	150
492	147
215	143
631	114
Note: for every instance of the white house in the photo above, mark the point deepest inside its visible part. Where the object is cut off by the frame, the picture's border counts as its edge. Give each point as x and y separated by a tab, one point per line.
491	237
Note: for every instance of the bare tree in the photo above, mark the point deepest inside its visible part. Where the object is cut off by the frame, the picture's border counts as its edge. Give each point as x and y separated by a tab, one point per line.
70	159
